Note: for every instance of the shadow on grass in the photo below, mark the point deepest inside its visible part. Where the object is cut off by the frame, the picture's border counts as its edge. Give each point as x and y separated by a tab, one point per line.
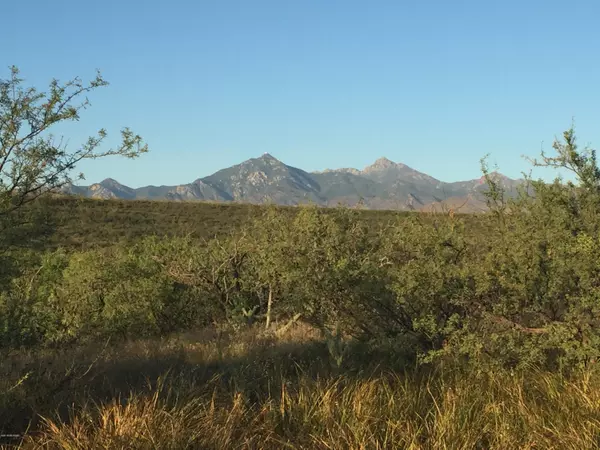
62	381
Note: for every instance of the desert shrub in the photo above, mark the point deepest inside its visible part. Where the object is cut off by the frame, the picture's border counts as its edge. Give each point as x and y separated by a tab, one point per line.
216	272
318	264
26	316
119	291
111	292
430	275
537	288
526	296
335	275
519	290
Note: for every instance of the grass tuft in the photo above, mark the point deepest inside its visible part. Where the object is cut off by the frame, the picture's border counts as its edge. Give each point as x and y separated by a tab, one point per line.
250	390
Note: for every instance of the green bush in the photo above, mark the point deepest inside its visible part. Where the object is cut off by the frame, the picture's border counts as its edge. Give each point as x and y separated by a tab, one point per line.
118	291
521	289
526	295
27	315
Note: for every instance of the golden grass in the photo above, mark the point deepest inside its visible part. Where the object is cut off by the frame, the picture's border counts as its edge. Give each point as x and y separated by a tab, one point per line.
254	391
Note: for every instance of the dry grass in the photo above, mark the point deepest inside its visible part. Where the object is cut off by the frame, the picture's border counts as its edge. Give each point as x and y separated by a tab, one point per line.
250	390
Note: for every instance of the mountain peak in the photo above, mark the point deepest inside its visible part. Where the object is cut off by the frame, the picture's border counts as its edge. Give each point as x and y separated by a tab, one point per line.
110	182
382	163
495	173
115	188
268	157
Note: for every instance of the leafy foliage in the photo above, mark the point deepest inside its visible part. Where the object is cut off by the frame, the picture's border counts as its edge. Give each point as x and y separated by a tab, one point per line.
514	288
33	161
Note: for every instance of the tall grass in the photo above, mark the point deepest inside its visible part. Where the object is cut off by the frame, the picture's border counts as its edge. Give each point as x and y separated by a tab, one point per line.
252	390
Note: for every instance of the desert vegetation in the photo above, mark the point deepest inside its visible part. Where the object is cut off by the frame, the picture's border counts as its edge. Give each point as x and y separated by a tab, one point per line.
291	327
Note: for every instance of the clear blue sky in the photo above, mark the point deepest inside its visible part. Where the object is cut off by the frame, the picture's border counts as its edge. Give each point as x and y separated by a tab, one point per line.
318	83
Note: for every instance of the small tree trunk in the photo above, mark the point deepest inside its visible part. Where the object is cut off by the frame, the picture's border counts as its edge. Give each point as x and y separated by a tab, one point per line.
269	306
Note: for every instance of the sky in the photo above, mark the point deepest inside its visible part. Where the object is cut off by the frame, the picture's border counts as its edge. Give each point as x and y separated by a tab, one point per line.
434	84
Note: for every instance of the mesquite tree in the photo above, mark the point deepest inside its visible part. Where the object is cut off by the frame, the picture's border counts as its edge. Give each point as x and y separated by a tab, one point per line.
32	160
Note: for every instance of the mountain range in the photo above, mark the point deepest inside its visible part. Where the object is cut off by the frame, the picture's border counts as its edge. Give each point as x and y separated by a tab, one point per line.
382	185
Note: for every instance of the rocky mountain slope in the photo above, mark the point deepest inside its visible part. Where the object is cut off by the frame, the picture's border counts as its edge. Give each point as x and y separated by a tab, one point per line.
382	185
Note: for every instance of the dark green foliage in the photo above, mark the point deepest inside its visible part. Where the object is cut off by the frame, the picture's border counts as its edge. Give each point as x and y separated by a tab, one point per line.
118	291
513	288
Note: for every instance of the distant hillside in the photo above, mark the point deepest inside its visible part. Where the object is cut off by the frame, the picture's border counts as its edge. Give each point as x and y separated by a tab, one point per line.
72	222
382	185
